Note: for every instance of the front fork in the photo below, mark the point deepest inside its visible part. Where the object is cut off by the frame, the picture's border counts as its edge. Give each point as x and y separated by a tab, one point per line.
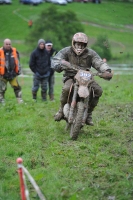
73	104
86	102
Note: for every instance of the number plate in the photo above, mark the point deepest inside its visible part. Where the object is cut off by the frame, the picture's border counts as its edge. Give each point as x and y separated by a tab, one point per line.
85	75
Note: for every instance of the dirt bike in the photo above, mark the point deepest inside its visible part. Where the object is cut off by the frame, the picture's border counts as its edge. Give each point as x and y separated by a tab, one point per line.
76	109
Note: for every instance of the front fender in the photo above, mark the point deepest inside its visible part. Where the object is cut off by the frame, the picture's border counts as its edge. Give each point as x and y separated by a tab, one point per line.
66	110
83	91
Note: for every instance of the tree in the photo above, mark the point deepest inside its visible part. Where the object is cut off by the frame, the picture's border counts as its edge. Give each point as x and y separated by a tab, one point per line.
102	47
56	26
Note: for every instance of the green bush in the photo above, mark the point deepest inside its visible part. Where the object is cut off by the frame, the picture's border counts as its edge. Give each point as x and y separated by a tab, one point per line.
102	47
56	26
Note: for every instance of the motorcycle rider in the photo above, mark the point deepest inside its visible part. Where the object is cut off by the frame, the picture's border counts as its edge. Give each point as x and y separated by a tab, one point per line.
74	57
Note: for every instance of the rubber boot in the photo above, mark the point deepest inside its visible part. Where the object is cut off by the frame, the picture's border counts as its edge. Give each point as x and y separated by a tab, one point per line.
59	115
43	94
34	96
51	97
92	105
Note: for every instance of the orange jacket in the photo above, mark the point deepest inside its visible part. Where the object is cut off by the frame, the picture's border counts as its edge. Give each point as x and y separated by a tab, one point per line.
3	61
30	23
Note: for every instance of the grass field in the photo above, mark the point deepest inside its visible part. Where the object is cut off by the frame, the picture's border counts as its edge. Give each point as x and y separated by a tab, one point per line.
111	18
96	166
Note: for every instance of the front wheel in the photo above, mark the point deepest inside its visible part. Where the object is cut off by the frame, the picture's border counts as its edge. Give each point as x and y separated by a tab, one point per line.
77	123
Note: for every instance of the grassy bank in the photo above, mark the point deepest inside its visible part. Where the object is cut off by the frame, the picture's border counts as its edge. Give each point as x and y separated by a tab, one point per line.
96	166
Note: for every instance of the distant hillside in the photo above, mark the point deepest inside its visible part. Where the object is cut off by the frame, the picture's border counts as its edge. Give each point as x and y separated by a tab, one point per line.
119	1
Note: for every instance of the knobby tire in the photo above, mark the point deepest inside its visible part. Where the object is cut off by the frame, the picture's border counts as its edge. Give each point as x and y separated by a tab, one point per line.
76	126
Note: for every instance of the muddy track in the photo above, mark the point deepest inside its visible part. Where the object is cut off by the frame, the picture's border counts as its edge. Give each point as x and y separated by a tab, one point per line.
122	28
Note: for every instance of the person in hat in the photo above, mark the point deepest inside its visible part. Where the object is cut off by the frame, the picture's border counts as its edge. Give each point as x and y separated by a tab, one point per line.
40	66
51	80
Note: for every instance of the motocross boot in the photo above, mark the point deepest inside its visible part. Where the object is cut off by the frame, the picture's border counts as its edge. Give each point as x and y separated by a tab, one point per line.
59	115
89	119
18	94
65	91
92	105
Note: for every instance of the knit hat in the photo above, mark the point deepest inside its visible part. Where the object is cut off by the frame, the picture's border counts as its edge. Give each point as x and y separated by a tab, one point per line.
48	42
41	41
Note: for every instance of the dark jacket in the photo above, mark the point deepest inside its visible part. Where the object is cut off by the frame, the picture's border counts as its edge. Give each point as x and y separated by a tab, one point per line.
52	53
40	62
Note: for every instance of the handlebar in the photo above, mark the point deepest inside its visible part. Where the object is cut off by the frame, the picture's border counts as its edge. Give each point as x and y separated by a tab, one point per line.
105	75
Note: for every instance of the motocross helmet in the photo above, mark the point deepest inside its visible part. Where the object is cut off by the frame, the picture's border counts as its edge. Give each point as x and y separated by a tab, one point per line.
79	37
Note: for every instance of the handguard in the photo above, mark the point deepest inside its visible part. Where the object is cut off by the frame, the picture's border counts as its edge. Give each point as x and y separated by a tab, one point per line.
106	75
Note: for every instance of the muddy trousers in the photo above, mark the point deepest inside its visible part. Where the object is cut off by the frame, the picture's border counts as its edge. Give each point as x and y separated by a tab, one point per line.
37	82
14	84
51	82
97	90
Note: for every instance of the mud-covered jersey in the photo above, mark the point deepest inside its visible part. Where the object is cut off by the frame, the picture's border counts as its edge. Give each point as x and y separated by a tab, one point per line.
89	58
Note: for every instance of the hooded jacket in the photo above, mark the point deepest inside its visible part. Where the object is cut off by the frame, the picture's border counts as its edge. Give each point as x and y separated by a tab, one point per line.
40	62
52	53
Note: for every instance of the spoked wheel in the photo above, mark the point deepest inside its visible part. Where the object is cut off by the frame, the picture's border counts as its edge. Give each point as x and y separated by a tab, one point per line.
77	123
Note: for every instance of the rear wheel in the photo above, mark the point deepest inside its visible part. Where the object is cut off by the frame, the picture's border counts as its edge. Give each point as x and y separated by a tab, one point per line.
77	123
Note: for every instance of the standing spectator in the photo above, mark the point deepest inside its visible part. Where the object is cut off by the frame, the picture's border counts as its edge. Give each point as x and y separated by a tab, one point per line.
40	65
51	80
30	23
9	70
96	1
